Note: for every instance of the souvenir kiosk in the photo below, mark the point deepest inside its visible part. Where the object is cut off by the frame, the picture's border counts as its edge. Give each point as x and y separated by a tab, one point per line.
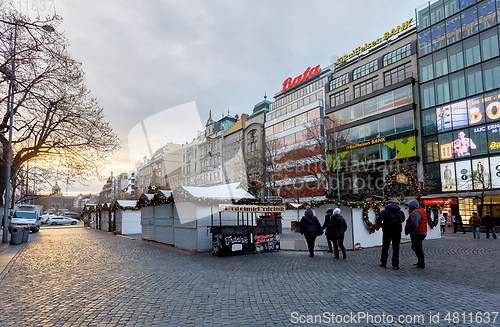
127	217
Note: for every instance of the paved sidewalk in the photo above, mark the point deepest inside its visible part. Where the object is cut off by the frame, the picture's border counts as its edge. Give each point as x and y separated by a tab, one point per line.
83	277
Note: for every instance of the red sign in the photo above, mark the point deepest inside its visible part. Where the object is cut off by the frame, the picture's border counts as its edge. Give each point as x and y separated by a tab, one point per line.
444	201
288	83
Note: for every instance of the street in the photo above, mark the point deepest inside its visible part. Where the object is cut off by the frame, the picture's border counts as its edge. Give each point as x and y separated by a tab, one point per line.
75	276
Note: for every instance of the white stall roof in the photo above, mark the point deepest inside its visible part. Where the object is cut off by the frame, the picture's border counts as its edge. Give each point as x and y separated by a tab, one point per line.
149	196
166	193
126	203
227	191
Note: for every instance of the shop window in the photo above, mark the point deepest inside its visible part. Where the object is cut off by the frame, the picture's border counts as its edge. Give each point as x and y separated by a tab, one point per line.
491	74
474	80
472	51
445	149
388	150
469	22
429	122
455	57
358	156
426	71
372	153
457	86
427	95
404	121
433	184
442	87
478	136
431	149
440	59
489	44
493	131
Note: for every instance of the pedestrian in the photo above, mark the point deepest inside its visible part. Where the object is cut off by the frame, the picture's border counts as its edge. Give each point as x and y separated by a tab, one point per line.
442	223
489	224
390	220
310	228
458	222
416	226
329	213
475	223
336	230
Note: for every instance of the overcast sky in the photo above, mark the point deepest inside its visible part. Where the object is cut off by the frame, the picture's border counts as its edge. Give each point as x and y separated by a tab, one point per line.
144	57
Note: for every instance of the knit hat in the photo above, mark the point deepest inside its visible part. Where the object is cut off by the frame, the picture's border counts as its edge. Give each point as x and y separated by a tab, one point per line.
329	210
336	211
308	208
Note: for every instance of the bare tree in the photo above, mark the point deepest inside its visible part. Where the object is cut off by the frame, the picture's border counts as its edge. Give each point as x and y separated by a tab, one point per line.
56	118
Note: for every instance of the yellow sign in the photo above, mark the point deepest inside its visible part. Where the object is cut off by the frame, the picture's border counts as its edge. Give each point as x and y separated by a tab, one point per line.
250	208
369	45
361	144
401	178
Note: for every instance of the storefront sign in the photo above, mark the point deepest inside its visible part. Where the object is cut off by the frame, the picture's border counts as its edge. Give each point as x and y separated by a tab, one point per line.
402	178
369	45
288	83
366	143
250	208
444	201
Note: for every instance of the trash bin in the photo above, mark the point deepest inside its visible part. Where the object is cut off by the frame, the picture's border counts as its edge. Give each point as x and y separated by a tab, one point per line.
26	234
16	235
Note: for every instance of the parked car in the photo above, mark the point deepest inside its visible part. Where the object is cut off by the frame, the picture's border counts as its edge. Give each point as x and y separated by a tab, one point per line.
58	220
46	217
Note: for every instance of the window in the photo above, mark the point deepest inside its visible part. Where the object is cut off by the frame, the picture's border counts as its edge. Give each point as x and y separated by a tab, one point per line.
426	71
339	98
489	44
427	94
429	121
396	55
437	11
398	74
491	74
472	52
404	121
339	81
469	22
450	7
365	69
358	134
387	126
442	90
365	87
453	34
487	20
431	149
474	80
372	153
424	43
423	17
445	151
371	130
440	59
455	57
457	83
478	136
439	36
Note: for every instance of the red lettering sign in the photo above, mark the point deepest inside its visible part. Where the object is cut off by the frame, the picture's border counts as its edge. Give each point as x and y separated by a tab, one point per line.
288	83
259	239
444	201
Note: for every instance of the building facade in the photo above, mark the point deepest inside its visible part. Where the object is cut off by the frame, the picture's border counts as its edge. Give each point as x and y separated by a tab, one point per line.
372	122
458	56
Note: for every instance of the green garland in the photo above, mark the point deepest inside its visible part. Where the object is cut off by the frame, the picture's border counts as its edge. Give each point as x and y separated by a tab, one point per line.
435	209
389	180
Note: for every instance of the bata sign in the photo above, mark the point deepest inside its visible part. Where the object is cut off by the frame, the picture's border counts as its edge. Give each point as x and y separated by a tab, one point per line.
387	35
288	83
250	208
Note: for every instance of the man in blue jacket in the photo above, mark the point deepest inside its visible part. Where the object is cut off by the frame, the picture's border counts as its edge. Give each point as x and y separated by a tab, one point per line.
390	219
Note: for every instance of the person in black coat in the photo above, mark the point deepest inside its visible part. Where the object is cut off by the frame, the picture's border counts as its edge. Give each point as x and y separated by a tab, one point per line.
310	228
489	224
390	219
458	223
329	213
336	230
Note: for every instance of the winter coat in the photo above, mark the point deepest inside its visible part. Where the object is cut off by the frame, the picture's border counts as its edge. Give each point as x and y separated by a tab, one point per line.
385	221
489	221
337	226
417	222
310	223
475	222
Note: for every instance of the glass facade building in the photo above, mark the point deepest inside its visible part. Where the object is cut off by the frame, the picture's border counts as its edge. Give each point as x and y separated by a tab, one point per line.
459	68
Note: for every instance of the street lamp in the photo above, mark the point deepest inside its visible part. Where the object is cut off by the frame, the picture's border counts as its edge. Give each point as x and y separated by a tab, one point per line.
12	77
336	157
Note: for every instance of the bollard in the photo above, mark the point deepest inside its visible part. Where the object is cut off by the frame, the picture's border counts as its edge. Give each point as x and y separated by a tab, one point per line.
26	234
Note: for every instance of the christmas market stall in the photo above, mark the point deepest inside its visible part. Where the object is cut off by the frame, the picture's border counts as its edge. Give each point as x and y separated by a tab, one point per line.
103	217
127	217
147	216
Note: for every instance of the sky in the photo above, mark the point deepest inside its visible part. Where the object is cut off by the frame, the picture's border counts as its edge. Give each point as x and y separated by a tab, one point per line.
163	61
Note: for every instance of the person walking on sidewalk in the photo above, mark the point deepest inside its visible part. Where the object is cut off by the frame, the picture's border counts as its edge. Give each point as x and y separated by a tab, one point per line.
390	219
475	223
416	226
458	222
310	228
489	224
329	213
442	224
336	230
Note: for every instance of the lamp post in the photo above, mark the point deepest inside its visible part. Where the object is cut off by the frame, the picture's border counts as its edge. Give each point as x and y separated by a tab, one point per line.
336	157
12	76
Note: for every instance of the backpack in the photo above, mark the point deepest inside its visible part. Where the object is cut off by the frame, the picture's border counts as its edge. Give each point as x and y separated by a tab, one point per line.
391	220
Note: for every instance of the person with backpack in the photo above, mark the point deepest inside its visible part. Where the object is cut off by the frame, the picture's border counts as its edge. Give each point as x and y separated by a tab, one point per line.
310	228
335	231
390	220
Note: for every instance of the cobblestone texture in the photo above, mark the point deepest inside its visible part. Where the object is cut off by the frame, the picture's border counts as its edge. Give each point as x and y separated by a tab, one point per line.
74	276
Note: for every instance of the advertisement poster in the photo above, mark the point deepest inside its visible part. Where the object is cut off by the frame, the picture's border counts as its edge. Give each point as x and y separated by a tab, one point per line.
443	118
462	144
464	175
495	171
459	114
475	107
481	173
446	151
448	182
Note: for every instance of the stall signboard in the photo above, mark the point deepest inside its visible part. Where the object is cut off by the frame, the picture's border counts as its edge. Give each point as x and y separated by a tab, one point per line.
251	208
442	201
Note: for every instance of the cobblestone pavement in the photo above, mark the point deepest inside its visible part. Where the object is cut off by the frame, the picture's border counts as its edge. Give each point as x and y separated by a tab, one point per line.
75	276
